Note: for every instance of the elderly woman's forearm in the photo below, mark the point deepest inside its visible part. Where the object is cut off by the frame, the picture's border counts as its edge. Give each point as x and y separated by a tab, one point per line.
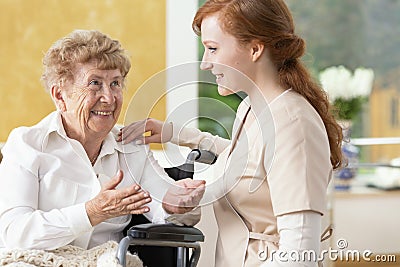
27	229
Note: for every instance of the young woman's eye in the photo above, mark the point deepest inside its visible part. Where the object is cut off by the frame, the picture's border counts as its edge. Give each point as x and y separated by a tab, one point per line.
212	49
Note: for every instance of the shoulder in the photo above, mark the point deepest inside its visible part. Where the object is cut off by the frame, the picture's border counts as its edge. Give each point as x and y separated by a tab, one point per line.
292	110
32	136
292	105
25	145
127	148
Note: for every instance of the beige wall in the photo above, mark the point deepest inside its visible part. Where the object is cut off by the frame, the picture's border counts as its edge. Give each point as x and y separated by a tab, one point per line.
29	27
380	116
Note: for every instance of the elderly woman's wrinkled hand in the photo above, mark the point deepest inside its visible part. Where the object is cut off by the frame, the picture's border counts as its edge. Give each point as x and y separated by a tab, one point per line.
112	202
184	196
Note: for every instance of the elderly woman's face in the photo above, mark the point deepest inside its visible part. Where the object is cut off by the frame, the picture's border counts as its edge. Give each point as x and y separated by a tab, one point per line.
93	100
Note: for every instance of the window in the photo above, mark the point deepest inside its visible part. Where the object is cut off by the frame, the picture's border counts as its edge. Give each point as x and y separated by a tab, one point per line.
357	33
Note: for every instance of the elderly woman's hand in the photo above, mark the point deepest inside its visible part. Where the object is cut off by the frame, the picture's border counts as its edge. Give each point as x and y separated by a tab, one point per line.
160	132
112	202
184	196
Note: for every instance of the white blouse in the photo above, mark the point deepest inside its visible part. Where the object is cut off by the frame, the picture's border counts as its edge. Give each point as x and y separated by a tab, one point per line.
46	178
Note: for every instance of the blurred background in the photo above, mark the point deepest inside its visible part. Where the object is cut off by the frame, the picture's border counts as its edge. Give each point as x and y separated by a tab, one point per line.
356	34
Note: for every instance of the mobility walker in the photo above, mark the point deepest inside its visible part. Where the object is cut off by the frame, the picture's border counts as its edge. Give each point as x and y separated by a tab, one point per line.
166	245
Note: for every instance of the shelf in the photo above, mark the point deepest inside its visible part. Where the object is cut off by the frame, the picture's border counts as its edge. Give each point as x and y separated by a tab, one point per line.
375	141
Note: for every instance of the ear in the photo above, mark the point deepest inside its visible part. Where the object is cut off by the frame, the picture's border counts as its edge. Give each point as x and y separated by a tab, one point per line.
257	49
56	95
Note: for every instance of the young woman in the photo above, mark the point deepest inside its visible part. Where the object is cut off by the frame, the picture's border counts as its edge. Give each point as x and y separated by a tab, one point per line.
285	140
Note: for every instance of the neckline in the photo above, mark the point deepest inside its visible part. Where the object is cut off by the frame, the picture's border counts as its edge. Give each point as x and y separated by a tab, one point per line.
239	131
93	161
280	95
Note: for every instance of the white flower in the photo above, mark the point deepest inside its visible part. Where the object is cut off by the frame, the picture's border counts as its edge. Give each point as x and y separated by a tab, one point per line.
339	82
335	81
362	81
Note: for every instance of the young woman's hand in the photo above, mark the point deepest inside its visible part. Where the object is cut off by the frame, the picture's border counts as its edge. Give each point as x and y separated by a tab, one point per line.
183	196
160	132
112	202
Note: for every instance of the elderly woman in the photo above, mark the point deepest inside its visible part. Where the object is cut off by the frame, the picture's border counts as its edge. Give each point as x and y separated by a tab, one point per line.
66	180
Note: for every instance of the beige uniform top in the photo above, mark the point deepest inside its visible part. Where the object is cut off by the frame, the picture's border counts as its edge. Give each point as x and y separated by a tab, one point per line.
279	163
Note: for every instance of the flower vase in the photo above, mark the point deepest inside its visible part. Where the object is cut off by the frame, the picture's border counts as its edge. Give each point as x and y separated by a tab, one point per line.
344	176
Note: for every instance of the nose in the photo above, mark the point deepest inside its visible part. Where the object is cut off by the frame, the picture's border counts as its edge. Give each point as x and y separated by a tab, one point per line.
107	95
205	65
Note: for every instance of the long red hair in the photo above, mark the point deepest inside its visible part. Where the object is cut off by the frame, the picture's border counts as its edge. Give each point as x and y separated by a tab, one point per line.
271	22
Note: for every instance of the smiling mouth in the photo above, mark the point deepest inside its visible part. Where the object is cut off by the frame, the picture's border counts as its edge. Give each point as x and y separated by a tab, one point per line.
102	113
219	76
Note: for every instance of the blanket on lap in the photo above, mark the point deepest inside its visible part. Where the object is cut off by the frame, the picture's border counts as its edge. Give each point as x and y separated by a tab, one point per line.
67	256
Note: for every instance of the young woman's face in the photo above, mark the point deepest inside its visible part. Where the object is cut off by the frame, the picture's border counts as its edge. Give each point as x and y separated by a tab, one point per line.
93	101
229	61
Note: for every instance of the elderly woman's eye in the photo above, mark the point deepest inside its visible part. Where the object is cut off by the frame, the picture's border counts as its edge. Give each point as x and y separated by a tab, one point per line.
115	84
94	85
94	82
